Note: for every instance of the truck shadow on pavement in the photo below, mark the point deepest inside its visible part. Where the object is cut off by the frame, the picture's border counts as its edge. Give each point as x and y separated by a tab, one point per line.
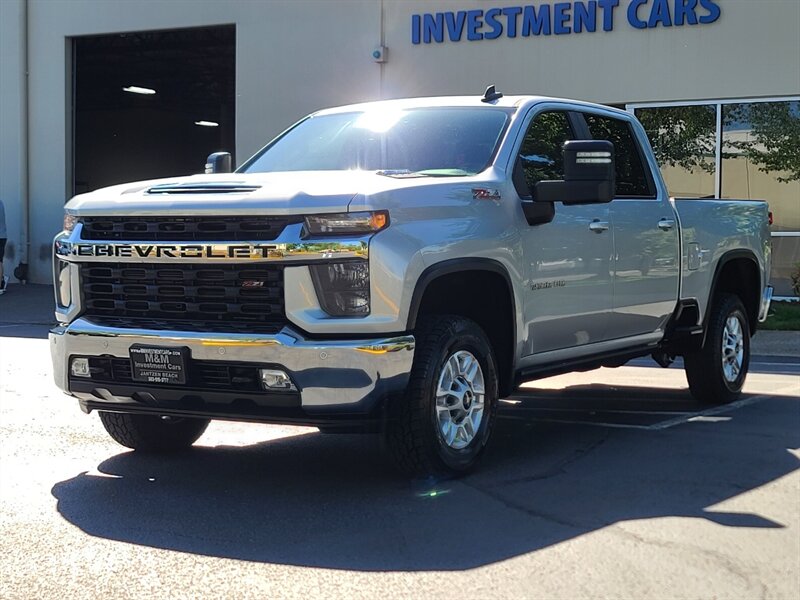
331	502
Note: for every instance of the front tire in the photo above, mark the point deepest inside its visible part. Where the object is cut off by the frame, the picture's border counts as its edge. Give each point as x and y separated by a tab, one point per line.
717	371
440	427
153	433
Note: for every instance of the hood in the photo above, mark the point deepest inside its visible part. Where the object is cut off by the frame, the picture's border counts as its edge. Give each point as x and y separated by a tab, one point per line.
297	192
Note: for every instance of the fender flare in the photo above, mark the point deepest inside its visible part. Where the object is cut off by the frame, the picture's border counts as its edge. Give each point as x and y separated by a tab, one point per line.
459	265
448	267
724	260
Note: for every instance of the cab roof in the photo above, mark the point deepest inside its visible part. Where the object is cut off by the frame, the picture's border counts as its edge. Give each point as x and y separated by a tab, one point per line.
455	101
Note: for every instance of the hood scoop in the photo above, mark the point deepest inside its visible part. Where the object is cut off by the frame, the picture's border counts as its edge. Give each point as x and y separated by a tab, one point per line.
222	187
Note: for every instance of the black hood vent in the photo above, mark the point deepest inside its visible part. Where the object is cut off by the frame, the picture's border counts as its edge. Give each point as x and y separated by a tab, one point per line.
222	187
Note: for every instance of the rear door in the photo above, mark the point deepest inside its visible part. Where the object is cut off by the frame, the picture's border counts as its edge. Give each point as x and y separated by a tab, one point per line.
646	245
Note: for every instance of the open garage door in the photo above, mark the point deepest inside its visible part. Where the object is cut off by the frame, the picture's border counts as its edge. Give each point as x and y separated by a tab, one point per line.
151	104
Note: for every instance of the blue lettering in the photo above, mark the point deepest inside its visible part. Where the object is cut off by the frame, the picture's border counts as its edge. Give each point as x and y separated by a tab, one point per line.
415	24
608	7
490	19
659	14
534	23
511	13
633	17
455	24
433	28
684	9
713	11
562	18
474	23
585	17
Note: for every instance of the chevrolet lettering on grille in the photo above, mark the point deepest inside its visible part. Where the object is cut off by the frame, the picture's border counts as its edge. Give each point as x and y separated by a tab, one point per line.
177	251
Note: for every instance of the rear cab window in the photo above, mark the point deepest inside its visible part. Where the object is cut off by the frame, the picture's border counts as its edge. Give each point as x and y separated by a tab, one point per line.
633	177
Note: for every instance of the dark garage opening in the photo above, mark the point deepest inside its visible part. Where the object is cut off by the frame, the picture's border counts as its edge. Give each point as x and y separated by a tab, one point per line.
175	80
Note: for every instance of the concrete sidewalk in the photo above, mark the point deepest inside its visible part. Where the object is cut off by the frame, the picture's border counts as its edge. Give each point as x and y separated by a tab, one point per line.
33	305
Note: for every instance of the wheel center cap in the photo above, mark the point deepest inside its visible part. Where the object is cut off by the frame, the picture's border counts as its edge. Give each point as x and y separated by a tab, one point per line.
467	399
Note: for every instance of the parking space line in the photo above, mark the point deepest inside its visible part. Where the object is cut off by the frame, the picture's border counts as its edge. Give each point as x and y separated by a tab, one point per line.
684	417
568	422
604	410
711	411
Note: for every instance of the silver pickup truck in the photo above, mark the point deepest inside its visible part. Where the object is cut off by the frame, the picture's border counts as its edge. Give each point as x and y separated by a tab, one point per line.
400	266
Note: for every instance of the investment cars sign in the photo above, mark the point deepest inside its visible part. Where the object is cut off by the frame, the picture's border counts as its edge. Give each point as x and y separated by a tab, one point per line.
558	18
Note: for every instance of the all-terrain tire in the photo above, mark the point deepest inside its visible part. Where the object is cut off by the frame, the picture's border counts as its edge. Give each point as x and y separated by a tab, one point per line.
412	434
152	433
705	370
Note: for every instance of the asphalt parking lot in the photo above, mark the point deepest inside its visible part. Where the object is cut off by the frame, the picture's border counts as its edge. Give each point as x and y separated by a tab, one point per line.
609	483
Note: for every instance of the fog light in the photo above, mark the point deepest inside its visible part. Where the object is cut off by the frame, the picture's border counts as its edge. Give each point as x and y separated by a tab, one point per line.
80	367
342	288
275	379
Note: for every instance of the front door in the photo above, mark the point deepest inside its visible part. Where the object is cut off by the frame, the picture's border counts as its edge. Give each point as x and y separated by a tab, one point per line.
568	261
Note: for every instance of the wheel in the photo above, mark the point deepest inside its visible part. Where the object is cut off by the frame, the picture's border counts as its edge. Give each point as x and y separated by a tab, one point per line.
153	433
717	371
441	425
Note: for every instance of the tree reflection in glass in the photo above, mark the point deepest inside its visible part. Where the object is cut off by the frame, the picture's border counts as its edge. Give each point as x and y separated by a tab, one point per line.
684	143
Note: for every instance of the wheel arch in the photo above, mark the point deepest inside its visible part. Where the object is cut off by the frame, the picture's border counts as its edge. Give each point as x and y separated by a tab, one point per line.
499	324
737	272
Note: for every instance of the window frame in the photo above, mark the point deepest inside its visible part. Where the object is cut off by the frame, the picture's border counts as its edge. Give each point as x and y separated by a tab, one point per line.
631	108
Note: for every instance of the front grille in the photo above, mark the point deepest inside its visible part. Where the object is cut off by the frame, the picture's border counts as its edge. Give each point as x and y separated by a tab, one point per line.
199	326
181	229
197	295
201	374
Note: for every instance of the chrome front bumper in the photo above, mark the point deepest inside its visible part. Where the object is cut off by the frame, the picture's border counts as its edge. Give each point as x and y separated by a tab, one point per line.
330	376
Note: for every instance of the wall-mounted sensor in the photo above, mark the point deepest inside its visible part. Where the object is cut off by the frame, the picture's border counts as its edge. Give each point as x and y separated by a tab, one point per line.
379	55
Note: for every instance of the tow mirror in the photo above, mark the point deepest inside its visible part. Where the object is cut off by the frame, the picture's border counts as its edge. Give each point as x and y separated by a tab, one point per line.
219	162
588	175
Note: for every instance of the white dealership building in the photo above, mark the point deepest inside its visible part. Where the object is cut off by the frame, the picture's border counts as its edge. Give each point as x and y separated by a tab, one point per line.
95	92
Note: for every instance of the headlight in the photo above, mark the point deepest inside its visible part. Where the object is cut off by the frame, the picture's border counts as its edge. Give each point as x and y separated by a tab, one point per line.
69	221
342	288
347	223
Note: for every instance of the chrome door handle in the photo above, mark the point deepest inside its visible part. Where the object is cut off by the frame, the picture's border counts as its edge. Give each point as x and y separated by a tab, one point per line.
598	226
666	224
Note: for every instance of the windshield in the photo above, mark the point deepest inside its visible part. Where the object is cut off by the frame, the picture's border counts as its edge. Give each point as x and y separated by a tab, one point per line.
429	141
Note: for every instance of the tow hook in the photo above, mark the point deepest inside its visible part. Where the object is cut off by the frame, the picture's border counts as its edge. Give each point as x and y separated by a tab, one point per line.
663	359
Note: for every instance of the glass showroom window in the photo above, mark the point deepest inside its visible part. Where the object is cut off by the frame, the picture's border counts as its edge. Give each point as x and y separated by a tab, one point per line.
761	160
684	142
736	149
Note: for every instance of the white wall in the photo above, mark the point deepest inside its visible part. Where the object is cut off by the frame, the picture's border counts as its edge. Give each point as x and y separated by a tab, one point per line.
751	50
294	56
11	173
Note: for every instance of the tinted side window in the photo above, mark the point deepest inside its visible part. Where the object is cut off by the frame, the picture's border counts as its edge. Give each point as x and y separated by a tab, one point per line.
631	177
541	155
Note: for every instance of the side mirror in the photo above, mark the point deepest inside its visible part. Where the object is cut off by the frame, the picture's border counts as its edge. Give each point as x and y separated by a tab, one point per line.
219	162
588	175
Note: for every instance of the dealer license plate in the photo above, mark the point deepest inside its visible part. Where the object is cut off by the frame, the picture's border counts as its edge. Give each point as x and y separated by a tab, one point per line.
152	364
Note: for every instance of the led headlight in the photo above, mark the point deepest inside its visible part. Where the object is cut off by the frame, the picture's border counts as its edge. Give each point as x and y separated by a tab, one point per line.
346	223
69	221
342	288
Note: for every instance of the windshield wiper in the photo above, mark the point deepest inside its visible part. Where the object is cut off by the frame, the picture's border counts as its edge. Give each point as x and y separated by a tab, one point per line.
407	173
